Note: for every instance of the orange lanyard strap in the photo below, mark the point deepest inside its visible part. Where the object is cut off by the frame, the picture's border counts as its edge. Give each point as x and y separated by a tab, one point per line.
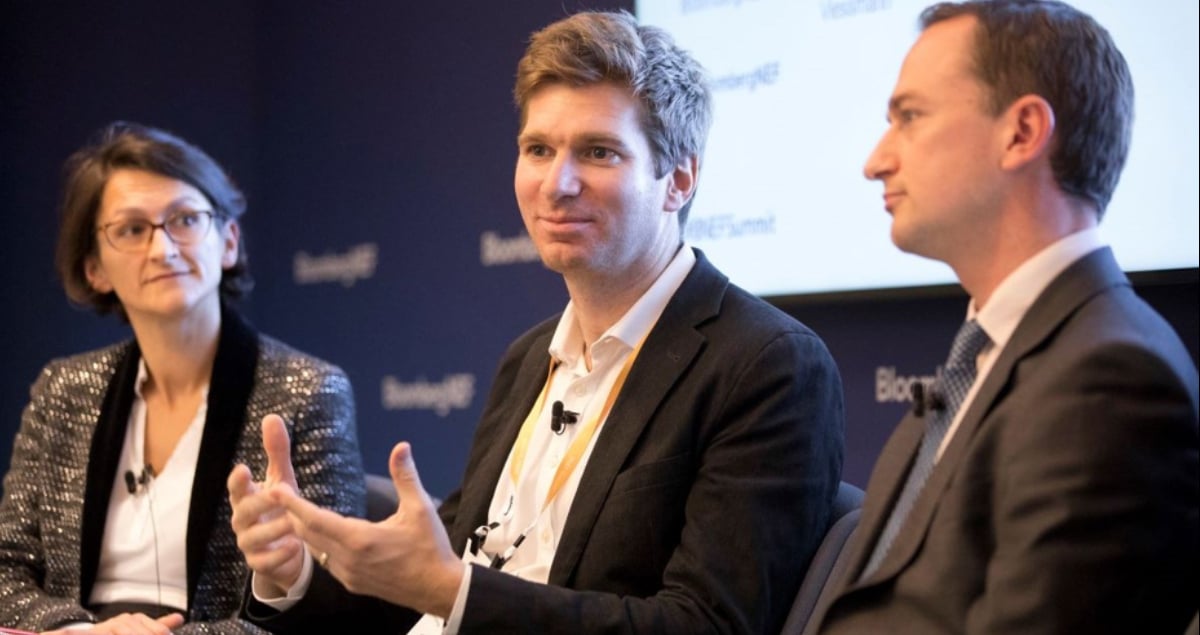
581	442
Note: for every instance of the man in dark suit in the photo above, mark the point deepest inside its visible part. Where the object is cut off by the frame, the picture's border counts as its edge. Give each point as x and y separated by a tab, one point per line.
1049	482
661	457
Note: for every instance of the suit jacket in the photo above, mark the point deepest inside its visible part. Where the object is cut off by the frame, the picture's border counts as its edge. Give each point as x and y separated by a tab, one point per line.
707	493
64	465
1067	500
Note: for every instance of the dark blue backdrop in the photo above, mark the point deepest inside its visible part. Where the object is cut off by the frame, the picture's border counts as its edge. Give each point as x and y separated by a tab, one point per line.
375	141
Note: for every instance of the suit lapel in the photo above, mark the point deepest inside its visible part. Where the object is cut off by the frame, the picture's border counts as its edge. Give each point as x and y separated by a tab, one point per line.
477	495
228	394
667	353
887	478
1080	282
105	454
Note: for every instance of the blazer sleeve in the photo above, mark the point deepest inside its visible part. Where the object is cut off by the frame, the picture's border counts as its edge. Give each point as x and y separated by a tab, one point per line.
1095	514
327	604
328	465
325	457
325	452
23	602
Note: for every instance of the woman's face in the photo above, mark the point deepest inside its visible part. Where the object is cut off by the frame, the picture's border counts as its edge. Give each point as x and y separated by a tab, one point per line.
153	275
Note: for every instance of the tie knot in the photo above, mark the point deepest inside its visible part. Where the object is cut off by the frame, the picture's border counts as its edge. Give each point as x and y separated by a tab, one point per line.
971	339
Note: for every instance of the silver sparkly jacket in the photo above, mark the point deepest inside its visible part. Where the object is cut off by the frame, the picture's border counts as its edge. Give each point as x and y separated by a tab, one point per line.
67	448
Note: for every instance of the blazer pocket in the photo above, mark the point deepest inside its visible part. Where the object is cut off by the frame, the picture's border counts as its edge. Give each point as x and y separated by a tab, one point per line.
668	471
638	527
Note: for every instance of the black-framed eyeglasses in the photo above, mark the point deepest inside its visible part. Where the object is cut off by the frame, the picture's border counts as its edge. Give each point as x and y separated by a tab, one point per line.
183	227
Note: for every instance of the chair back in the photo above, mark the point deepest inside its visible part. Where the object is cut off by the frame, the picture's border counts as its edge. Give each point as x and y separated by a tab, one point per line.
382	499
827	564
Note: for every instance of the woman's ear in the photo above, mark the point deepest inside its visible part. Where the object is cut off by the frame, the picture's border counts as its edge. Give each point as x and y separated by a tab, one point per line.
96	275
229	238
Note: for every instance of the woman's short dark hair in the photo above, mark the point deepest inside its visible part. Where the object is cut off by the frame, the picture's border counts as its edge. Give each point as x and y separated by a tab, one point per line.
124	145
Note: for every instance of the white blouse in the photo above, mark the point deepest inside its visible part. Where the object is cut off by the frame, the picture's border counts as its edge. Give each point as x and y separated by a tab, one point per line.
143	557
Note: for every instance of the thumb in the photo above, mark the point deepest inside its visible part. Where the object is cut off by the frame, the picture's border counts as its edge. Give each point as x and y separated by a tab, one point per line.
279	451
404	475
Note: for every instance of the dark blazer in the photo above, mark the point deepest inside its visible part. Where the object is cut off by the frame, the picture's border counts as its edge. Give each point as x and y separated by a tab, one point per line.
707	493
1067	500
64	465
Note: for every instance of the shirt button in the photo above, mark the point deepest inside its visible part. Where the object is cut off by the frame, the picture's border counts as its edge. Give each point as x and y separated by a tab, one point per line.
547	536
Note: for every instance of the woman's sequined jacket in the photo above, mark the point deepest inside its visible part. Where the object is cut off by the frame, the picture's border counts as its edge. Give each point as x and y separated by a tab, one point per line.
65	458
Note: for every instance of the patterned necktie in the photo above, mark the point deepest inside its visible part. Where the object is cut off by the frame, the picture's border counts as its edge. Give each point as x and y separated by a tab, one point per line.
951	387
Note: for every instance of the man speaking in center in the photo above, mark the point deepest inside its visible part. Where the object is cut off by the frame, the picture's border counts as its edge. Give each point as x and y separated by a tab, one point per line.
661	457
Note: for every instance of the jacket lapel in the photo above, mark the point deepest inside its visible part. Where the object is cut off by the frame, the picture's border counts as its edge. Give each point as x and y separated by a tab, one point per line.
105	453
1087	277
477	496
228	394
887	478
668	351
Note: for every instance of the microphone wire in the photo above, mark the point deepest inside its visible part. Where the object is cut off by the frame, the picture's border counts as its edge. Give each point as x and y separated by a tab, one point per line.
148	474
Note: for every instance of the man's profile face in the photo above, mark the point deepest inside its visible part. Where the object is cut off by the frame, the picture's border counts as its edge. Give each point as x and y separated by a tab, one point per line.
939	158
585	182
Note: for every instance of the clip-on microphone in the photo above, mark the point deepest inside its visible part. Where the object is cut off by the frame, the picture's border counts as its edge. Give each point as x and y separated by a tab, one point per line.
559	417
132	483
922	400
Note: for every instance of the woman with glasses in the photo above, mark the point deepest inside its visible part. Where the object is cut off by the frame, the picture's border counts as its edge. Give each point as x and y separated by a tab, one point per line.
114	512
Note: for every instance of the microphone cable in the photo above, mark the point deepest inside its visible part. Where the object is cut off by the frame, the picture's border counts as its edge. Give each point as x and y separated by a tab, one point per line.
146	469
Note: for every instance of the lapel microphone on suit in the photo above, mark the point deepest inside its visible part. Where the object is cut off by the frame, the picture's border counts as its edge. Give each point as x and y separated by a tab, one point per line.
926	400
945	398
559	417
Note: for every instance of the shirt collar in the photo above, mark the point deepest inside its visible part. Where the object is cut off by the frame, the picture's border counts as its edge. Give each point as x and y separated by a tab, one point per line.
142	377
567	344
1017	292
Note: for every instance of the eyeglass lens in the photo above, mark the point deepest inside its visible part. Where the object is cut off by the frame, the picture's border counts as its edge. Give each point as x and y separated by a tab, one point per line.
183	227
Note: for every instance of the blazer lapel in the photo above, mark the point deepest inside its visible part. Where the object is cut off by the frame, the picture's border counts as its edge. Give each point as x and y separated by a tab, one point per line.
1082	280
477	495
105	454
887	478
668	351
228	393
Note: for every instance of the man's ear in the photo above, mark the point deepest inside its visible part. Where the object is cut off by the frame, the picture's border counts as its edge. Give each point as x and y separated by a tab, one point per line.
1028	131
96	276
229	244
681	184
